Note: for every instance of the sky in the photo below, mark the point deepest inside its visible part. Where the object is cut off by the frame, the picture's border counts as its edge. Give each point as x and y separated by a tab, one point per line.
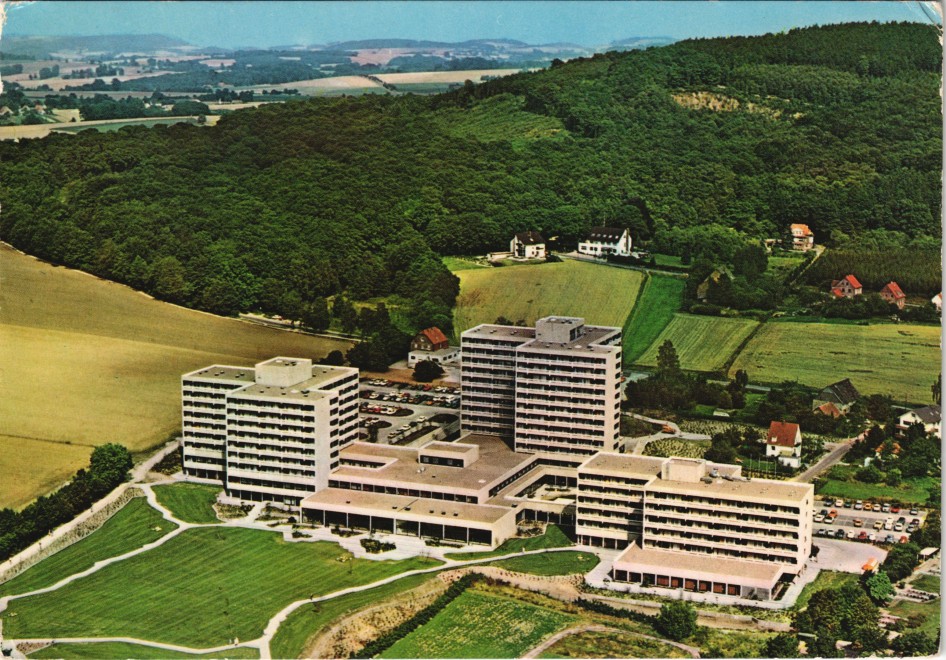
265	24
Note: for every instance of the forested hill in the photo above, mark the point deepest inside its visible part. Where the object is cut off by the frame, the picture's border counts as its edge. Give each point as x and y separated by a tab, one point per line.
697	146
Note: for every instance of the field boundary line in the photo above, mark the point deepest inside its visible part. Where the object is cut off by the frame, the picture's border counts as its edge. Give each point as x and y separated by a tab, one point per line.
731	360
625	335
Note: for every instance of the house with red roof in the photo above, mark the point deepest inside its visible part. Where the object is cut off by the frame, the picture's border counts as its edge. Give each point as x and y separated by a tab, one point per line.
893	294
783	442
848	287
800	237
431	344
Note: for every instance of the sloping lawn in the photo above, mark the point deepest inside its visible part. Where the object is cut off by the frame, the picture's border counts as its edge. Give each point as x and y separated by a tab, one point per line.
191	503
551	563
554	537
121	650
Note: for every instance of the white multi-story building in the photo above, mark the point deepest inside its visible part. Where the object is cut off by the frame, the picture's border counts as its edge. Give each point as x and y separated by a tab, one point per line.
606	241
555	388
270	433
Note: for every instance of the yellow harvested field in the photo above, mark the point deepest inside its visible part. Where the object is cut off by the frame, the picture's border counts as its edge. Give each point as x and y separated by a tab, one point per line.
315	86
899	360
443	76
601	294
31	467
59	84
87	361
42	130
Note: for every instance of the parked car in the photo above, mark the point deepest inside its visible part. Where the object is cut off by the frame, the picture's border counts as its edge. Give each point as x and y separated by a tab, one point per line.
902	520
914	511
821	532
819	518
894	508
839	503
839	534
868	506
828	501
904	538
858	522
851	534
889	539
833	513
915	521
878	524
898	527
872	537
862	536
823	512
829	520
888	524
859	504
886	507
848	504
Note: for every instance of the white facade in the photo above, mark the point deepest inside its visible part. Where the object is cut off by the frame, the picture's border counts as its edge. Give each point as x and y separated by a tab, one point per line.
269	433
443	356
527	246
929	417
606	241
554	388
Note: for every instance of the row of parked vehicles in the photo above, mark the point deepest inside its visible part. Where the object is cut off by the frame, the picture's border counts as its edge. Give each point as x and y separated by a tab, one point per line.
862	535
428	387
858	505
442	401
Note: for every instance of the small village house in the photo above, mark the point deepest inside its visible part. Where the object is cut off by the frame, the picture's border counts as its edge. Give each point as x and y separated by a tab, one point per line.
800	237
937	300
893	294
605	242
783	442
928	416
848	287
431	344
842	395
527	245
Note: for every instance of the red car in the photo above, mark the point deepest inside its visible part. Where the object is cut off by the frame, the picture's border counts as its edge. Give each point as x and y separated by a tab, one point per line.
862	536
904	538
895	509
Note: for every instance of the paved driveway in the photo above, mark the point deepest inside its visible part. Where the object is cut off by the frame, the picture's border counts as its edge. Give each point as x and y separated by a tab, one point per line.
846	556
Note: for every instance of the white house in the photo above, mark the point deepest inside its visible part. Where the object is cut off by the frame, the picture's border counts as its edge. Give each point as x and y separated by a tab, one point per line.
783	442
605	241
527	245
938	301
928	416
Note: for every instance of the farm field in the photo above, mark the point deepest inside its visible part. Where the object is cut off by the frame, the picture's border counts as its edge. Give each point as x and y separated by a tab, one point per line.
660	298
121	650
898	360
95	362
210	585
703	343
191	503
551	563
600	294
481	625
591	644
135	525
42	130
443	76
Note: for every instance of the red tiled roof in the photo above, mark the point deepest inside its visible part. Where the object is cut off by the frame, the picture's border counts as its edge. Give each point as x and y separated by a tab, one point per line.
435	335
829	409
805	231
893	289
837	292
782	434
853	281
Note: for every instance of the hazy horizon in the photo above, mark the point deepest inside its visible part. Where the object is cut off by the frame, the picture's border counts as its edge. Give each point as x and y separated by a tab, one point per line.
267	24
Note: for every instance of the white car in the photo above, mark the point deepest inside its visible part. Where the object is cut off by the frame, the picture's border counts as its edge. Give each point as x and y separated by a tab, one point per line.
819	518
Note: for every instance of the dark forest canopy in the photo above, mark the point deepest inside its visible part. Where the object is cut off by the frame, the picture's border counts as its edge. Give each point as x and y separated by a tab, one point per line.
837	127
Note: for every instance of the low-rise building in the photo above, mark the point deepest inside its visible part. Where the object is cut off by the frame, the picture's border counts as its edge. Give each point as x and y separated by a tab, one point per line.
929	416
937	301
800	237
841	394
847	287
783	442
432	344
893	294
605	242
527	245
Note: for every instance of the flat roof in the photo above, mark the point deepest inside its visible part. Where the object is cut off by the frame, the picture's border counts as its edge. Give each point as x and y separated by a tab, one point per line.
644	560
642	466
495	462
308	390
587	341
225	373
755	488
382	504
492	331
451	447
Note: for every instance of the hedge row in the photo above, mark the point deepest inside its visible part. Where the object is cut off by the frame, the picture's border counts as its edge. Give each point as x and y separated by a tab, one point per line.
604	608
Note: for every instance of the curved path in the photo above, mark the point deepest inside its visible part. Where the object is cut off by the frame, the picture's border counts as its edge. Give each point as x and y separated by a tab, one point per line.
135	640
535	652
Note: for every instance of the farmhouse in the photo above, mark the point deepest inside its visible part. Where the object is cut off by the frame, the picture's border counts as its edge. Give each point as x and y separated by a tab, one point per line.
527	245
937	301
893	294
848	287
431	344
800	237
928	416
606	241
841	395
783	442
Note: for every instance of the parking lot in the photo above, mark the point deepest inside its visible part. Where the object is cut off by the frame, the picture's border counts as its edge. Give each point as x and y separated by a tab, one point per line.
847	522
404	413
837	555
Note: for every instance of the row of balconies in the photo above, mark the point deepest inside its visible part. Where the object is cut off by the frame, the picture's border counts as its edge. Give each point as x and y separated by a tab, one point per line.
722	552
691	524
713	514
715	502
715	540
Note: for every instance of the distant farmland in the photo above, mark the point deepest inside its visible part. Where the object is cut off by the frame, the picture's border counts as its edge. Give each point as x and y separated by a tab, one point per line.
84	361
703	343
899	360
602	295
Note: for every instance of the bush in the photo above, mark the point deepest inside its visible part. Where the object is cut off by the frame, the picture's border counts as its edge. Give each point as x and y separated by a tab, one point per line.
426	371
375	547
677	620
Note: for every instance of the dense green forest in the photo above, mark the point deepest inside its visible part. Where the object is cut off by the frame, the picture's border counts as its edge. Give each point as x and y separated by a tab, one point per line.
838	127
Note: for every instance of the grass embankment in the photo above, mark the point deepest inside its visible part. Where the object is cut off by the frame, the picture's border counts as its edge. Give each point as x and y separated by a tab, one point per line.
659	299
900	360
301	627
840	482
825	580
456	264
926	582
121	650
97	362
209	585
481	625
568	562
703	343
600	294
135	525
191	503
554	537
930	613
591	644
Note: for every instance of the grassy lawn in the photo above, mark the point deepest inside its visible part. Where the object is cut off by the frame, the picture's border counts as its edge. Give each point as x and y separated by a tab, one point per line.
721	643
481	625
926	582
611	645
191	503
667	447
117	375
930	611
551	563
554	537
209	585
121	650
459	263
703	343
602	295
825	580
668	260
656	305
302	626
135	525
899	360
840	482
